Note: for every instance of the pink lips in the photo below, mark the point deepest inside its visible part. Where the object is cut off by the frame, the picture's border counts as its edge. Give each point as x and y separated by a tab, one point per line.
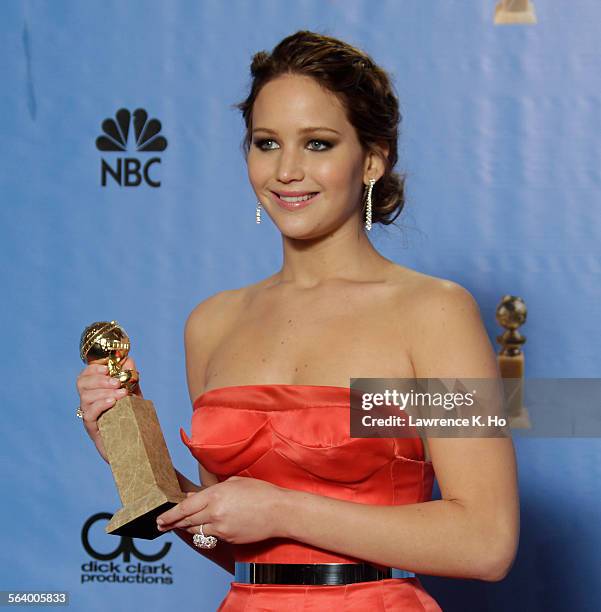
293	205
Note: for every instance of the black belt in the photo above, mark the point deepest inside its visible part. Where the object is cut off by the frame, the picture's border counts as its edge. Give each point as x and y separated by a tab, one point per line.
309	573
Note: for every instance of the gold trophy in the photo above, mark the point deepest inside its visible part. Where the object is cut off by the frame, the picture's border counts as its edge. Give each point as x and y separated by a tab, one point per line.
511	314
133	440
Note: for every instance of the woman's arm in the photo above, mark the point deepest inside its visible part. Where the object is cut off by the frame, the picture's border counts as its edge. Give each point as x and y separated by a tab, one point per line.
460	538
199	337
472	532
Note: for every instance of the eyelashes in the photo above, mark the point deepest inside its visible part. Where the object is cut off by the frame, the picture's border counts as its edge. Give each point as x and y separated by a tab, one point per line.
263	144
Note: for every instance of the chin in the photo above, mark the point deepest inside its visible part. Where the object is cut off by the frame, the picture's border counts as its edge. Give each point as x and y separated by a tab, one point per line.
301	229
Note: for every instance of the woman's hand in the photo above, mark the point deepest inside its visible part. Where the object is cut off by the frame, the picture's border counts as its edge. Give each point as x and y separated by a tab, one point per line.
238	510
97	393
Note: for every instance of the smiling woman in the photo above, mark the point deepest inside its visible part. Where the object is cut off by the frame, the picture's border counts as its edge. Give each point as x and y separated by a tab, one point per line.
305	516
313	517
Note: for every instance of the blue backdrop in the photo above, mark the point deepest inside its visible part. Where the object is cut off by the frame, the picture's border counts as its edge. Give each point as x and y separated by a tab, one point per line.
500	143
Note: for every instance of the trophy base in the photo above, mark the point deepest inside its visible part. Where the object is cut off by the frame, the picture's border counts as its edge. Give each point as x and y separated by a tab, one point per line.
138	519
520	421
505	17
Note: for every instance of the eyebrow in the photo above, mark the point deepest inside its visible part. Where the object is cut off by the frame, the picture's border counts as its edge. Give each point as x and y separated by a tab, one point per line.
303	131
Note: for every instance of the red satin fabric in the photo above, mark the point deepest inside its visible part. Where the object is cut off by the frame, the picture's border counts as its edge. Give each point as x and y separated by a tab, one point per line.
297	437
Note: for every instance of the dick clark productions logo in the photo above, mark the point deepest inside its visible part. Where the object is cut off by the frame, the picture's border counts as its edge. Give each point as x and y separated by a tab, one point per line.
124	570
146	137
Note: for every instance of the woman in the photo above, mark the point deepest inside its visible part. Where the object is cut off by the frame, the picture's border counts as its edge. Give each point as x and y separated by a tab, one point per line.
268	370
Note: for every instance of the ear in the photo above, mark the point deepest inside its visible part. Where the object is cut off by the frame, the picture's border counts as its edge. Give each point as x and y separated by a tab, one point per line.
375	162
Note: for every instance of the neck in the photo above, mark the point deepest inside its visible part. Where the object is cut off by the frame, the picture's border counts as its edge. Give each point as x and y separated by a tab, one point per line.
346	254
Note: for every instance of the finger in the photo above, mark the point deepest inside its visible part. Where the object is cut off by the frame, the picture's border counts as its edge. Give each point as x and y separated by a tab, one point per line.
91	378
104	397
94	408
91	370
191	505
92	391
93	396
207	528
100	360
129	364
99	365
190	523
96	381
174	516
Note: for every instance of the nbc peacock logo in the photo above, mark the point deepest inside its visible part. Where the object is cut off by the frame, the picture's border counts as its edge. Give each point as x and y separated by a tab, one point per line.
125	132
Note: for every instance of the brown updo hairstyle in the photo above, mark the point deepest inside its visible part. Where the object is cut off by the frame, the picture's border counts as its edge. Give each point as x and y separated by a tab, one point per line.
364	89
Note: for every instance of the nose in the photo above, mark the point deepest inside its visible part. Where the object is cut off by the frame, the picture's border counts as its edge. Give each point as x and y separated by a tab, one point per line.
290	167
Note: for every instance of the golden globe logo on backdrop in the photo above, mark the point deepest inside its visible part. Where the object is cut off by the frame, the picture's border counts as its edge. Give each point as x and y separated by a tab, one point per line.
146	135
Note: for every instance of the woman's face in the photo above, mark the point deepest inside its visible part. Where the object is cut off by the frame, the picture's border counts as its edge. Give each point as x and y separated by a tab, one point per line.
303	146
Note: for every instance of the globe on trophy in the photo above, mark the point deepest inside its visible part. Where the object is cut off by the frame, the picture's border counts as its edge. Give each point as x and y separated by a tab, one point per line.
133	440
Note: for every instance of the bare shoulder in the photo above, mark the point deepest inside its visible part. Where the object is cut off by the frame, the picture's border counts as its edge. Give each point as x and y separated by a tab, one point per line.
221	308
208	318
447	336
213	312
208	322
431	291
206	326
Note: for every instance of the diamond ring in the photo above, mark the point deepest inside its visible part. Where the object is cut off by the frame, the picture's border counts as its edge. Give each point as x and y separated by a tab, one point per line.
203	541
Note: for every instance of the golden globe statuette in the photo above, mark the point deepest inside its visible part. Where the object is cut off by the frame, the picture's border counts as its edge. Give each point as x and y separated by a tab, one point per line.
511	314
133	440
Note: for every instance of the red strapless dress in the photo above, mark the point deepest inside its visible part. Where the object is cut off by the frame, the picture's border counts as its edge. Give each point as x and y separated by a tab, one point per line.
297	436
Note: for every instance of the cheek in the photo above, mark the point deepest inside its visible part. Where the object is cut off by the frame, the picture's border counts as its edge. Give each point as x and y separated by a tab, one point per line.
257	171
338	174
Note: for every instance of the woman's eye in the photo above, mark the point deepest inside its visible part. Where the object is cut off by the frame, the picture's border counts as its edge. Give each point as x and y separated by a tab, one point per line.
322	144
261	144
267	144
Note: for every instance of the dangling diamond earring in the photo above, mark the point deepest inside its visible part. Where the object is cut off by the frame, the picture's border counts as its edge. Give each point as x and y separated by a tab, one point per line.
372	182
258	214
